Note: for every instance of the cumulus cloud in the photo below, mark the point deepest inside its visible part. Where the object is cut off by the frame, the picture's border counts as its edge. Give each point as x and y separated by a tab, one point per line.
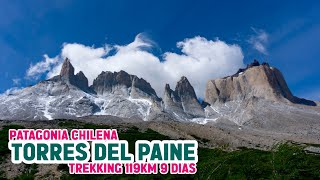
200	59
36	70
203	59
259	40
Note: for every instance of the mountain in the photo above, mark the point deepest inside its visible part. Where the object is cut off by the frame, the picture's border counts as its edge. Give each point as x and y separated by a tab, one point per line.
182	103
67	76
261	81
124	84
68	96
256	96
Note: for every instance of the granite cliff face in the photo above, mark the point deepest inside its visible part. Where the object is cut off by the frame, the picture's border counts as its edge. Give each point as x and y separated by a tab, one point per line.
182	102
123	84
125	95
256	81
253	95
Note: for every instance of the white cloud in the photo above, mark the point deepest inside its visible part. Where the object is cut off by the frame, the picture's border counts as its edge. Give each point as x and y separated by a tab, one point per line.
35	71
84	58
203	59
200	60
259	40
11	91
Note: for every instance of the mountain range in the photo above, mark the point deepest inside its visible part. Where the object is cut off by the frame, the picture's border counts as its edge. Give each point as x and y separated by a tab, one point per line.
256	96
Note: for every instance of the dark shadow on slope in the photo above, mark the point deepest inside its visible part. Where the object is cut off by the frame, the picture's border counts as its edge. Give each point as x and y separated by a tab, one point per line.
305	102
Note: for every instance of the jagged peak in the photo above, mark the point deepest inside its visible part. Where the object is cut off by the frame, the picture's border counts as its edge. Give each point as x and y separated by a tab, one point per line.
265	64
106	80
256	80
254	63
184	87
81	80
167	87
122	72
67	69
80	73
67	76
183	97
168	92
184	80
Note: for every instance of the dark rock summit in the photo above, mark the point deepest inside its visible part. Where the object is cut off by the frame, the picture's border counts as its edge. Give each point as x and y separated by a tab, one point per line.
67	71
124	84
183	100
81	81
171	102
188	98
118	83
254	63
184	88
67	76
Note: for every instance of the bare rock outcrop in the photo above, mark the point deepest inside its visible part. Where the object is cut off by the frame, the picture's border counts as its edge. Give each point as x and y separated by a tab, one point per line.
258	81
182	102
257	96
67	71
68	77
81	81
122	83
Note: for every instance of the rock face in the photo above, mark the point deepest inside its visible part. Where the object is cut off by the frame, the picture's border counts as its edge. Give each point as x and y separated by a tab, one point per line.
182	102
259	81
67	76
67	71
125	95
242	97
81	81
122	83
47	100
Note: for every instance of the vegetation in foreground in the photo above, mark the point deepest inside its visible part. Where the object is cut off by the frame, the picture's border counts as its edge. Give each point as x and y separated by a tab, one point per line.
285	161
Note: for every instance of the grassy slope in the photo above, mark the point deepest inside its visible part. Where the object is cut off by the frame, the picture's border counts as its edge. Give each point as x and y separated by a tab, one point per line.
284	162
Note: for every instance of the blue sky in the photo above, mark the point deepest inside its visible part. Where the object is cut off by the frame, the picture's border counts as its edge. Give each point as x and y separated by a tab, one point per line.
286	34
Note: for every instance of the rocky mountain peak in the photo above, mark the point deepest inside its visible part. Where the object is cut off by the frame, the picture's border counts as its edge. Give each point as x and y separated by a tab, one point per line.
167	88
123	83
67	69
184	88
256	81
167	91
81	81
143	85
183	99
124	78
170	95
254	63
67	76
